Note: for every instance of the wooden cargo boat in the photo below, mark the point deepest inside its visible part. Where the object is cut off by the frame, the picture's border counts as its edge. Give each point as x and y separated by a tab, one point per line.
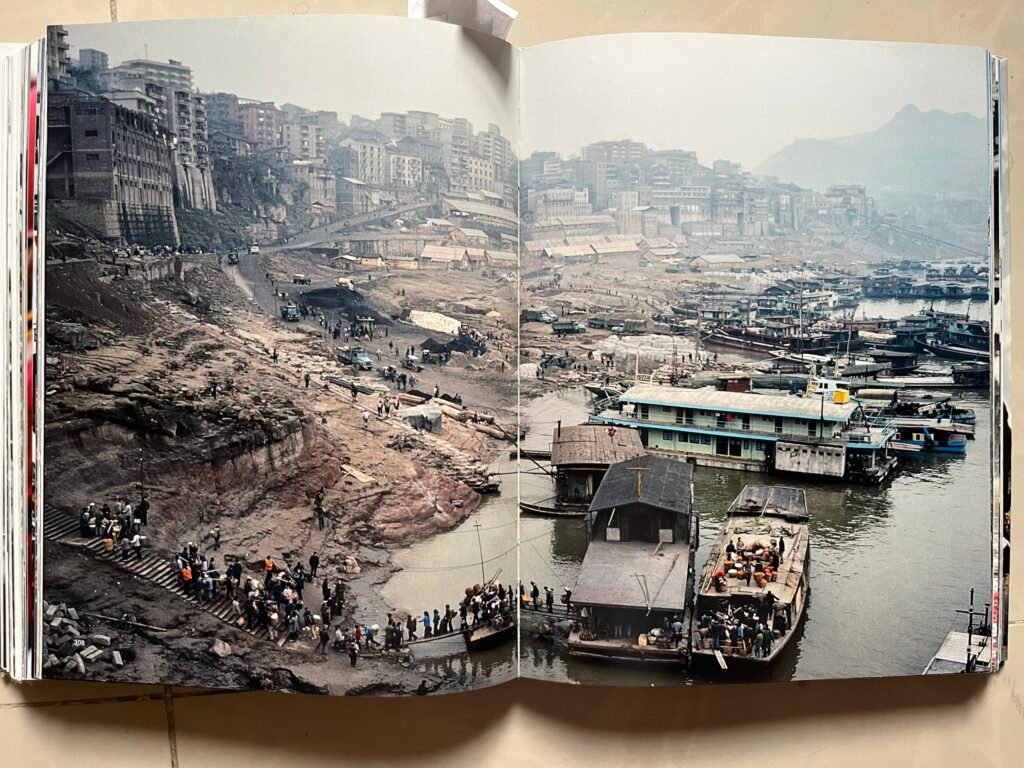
490	634
775	602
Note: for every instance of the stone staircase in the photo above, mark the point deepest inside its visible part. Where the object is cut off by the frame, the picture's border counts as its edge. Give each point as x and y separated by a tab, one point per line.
62	526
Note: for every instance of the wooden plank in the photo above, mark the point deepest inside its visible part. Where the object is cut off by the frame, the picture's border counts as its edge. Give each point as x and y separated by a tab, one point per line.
362	477
721	660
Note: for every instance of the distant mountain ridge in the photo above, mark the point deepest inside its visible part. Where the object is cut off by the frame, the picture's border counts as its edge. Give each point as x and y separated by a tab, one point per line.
915	153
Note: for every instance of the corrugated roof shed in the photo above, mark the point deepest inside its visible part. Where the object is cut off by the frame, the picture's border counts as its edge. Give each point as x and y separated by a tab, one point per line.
477	233
442	253
665	483
502	257
591	445
713	399
569	251
721	258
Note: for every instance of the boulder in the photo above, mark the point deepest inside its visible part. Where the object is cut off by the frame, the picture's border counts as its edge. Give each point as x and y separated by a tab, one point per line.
220	649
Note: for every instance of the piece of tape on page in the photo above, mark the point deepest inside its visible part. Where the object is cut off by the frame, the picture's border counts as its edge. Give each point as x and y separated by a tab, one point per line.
492	17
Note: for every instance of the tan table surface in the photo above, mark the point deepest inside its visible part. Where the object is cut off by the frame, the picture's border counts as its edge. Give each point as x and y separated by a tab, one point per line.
970	722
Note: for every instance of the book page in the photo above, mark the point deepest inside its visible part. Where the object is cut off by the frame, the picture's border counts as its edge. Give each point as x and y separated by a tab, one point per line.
760	272
281	282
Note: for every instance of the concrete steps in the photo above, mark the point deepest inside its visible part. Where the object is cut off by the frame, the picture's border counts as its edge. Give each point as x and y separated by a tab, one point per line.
59	525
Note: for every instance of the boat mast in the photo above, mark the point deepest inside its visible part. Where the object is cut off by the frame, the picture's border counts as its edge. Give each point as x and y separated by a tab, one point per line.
480	546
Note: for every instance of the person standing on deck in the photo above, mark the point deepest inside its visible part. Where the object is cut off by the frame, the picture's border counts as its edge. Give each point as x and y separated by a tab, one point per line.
549	599
782	548
437	622
410	627
535	595
426	624
677	631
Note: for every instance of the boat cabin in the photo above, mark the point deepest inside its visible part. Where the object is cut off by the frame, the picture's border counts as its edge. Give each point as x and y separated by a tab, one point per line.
581	455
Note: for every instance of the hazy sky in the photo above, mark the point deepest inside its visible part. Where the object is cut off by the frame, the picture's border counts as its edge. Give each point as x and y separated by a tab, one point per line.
350	64
734	97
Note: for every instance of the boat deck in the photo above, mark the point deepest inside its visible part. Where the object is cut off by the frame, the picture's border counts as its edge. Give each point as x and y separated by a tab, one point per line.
625	650
760	514
951	657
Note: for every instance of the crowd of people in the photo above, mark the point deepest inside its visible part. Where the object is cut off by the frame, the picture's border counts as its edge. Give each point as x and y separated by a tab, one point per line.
119	525
744	631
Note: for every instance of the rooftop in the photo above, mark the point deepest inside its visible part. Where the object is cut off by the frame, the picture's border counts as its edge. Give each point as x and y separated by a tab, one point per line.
633	574
739	402
663	482
721	258
591	445
442	253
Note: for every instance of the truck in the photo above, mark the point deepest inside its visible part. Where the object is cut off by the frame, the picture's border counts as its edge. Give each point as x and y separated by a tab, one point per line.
357	357
563	328
412	363
635	326
607	323
290	313
301	279
537	316
233	257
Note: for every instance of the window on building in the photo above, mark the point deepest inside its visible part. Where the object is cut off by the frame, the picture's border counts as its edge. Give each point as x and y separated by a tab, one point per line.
688	417
745	422
91	133
92	157
705	439
778	425
811	432
666	436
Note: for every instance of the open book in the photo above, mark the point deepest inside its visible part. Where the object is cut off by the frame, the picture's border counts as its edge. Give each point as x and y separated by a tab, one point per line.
372	356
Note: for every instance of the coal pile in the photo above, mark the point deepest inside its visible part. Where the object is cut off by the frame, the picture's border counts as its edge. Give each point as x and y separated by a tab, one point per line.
350	303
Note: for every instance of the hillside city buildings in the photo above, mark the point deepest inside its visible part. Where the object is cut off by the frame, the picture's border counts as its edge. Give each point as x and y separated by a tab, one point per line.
628	188
176	138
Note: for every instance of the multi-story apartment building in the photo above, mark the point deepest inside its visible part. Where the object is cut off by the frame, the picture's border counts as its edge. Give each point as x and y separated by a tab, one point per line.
223	112
848	205
557	203
57	58
93	60
261	122
367	159
303	140
111	169
404	170
184	114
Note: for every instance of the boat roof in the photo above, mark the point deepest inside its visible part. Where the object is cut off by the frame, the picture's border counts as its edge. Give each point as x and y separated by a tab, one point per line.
664	482
634	574
592	445
761	513
739	402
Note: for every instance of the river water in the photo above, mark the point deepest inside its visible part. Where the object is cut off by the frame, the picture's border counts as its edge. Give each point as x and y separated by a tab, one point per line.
890	566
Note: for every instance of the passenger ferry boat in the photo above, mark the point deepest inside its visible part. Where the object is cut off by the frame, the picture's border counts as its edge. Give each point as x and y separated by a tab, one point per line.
773	600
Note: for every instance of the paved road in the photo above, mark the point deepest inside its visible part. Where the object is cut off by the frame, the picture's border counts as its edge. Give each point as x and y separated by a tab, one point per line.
322	235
